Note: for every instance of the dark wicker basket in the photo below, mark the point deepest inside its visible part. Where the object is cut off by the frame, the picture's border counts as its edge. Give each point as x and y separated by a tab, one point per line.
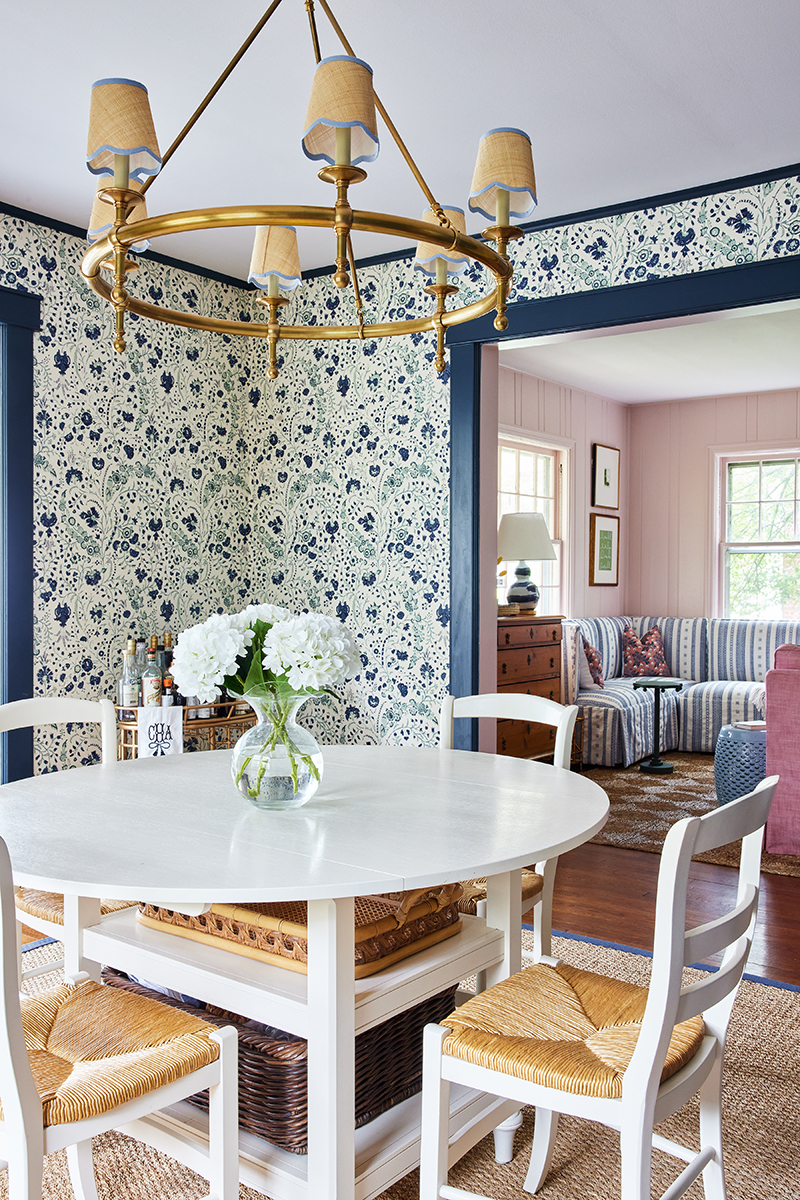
272	1067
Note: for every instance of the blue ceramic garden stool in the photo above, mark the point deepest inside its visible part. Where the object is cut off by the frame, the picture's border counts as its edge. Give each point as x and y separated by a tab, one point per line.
740	762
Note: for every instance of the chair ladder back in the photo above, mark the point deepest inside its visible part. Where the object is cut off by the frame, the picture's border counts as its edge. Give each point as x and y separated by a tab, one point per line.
22	1107
707	993
512	706
705	940
60	710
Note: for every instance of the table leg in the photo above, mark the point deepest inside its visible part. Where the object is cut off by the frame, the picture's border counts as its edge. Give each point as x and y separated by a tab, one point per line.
79	911
656	765
331	1050
504	911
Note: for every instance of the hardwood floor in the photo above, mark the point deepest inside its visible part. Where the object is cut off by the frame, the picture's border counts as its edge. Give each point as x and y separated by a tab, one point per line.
609	893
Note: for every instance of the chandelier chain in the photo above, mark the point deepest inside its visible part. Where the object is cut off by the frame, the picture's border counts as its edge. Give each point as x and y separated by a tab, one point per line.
356	289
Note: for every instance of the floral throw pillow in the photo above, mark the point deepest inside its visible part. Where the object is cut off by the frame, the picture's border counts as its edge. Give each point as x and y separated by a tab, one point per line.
643	656
594	664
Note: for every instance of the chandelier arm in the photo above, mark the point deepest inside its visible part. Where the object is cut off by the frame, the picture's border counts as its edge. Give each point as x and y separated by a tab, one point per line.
312	20
302	215
205	103
406	153
188	320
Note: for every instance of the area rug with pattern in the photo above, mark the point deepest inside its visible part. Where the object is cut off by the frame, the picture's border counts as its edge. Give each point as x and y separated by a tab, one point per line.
761	1120
644	806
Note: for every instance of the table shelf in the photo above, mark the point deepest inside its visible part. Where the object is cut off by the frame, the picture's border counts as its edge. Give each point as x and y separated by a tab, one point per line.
274	995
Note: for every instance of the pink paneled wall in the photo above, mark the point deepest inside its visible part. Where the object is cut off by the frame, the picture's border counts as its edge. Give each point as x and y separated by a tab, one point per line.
671	490
575	420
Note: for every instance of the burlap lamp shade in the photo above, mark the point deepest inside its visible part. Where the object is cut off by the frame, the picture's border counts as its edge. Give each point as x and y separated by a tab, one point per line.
275	253
504	161
120	122
427	252
341	98
101	221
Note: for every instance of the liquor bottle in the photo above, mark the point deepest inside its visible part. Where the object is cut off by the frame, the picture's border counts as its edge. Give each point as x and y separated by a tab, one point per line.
168	692
167	649
141	654
151	681
128	690
137	670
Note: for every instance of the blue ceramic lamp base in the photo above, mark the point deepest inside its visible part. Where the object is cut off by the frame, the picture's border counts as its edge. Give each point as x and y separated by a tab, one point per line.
523	591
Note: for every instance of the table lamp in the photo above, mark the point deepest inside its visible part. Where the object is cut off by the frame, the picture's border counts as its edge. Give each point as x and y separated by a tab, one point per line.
524	537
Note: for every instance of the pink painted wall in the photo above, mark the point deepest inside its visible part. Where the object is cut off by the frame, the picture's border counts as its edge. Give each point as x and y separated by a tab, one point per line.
576	419
671	474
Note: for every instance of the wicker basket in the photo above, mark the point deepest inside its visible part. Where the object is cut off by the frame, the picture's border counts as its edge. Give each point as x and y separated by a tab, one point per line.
388	927
273	1092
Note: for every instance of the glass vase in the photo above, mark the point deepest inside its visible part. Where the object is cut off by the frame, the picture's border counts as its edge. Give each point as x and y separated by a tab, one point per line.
277	764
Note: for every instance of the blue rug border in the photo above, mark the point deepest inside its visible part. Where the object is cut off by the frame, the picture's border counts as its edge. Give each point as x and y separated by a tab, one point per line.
578	937
48	941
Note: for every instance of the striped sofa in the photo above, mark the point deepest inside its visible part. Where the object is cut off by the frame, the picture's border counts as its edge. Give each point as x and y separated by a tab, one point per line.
724	663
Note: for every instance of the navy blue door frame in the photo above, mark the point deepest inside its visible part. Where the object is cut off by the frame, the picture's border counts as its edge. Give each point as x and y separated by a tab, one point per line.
19	317
708	291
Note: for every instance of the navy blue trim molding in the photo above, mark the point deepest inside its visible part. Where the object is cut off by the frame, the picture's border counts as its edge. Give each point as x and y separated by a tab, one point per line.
19	317
708	291
465	409
62	227
704	291
589	214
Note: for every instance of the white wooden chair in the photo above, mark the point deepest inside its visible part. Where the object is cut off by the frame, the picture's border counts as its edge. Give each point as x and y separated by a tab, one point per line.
571	1041
537	885
44	911
113	1059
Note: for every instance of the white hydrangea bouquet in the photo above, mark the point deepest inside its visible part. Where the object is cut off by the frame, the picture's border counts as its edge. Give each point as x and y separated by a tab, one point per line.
274	660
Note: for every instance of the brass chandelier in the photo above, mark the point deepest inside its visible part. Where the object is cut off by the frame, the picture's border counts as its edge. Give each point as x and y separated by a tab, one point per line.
341	130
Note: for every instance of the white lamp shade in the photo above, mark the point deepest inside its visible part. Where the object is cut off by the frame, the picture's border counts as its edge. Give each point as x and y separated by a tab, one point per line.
428	252
524	537
505	160
275	253
101	221
341	98
120	122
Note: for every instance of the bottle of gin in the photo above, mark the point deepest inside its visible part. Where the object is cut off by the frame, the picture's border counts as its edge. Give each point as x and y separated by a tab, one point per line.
151	681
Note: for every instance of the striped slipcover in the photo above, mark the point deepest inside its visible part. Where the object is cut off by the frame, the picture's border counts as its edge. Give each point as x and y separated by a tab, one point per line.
617	720
740	652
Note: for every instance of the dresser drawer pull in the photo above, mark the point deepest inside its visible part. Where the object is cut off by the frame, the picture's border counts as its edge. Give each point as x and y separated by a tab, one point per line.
504	668
508	637
555	635
529	660
552	662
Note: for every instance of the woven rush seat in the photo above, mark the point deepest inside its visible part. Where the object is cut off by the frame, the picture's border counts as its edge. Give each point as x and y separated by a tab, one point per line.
474	890
388	927
137	1045
49	906
563	1028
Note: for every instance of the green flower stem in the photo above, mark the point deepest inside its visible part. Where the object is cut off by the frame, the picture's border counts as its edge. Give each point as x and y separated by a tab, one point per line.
278	712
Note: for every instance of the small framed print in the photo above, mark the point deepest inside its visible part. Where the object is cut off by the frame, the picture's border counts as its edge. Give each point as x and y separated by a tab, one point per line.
603	550
605	476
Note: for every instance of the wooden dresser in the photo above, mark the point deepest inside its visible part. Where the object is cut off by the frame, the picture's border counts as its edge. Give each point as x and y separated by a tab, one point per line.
528	660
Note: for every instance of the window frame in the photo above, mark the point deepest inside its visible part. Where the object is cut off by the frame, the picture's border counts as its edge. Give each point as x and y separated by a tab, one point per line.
751	455
560	453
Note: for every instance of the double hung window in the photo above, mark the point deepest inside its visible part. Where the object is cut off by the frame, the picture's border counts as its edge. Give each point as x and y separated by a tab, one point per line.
529	480
760	544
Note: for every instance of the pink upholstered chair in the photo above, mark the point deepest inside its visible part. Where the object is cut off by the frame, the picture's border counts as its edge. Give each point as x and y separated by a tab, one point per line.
783	755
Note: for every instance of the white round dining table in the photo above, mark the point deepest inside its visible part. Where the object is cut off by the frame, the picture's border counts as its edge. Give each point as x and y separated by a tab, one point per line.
175	831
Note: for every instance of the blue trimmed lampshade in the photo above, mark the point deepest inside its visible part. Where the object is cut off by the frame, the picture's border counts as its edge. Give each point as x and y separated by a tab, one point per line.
275	253
101	221
505	160
524	537
341	98
428	252
120	122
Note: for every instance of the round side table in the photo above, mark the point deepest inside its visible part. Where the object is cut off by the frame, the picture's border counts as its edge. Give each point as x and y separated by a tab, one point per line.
740	762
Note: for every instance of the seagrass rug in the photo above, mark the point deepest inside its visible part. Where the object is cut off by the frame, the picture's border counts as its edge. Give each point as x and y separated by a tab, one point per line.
761	1121
644	806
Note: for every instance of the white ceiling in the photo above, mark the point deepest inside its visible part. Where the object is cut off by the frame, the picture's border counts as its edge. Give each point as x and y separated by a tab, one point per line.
716	354
623	99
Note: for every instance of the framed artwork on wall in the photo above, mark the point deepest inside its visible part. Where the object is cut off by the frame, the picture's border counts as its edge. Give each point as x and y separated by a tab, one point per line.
603	550
605	476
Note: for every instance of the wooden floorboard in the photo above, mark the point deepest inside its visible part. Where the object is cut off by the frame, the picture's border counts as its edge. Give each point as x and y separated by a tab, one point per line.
609	893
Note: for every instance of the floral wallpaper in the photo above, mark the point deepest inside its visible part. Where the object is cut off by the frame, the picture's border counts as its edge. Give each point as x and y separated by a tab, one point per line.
176	479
